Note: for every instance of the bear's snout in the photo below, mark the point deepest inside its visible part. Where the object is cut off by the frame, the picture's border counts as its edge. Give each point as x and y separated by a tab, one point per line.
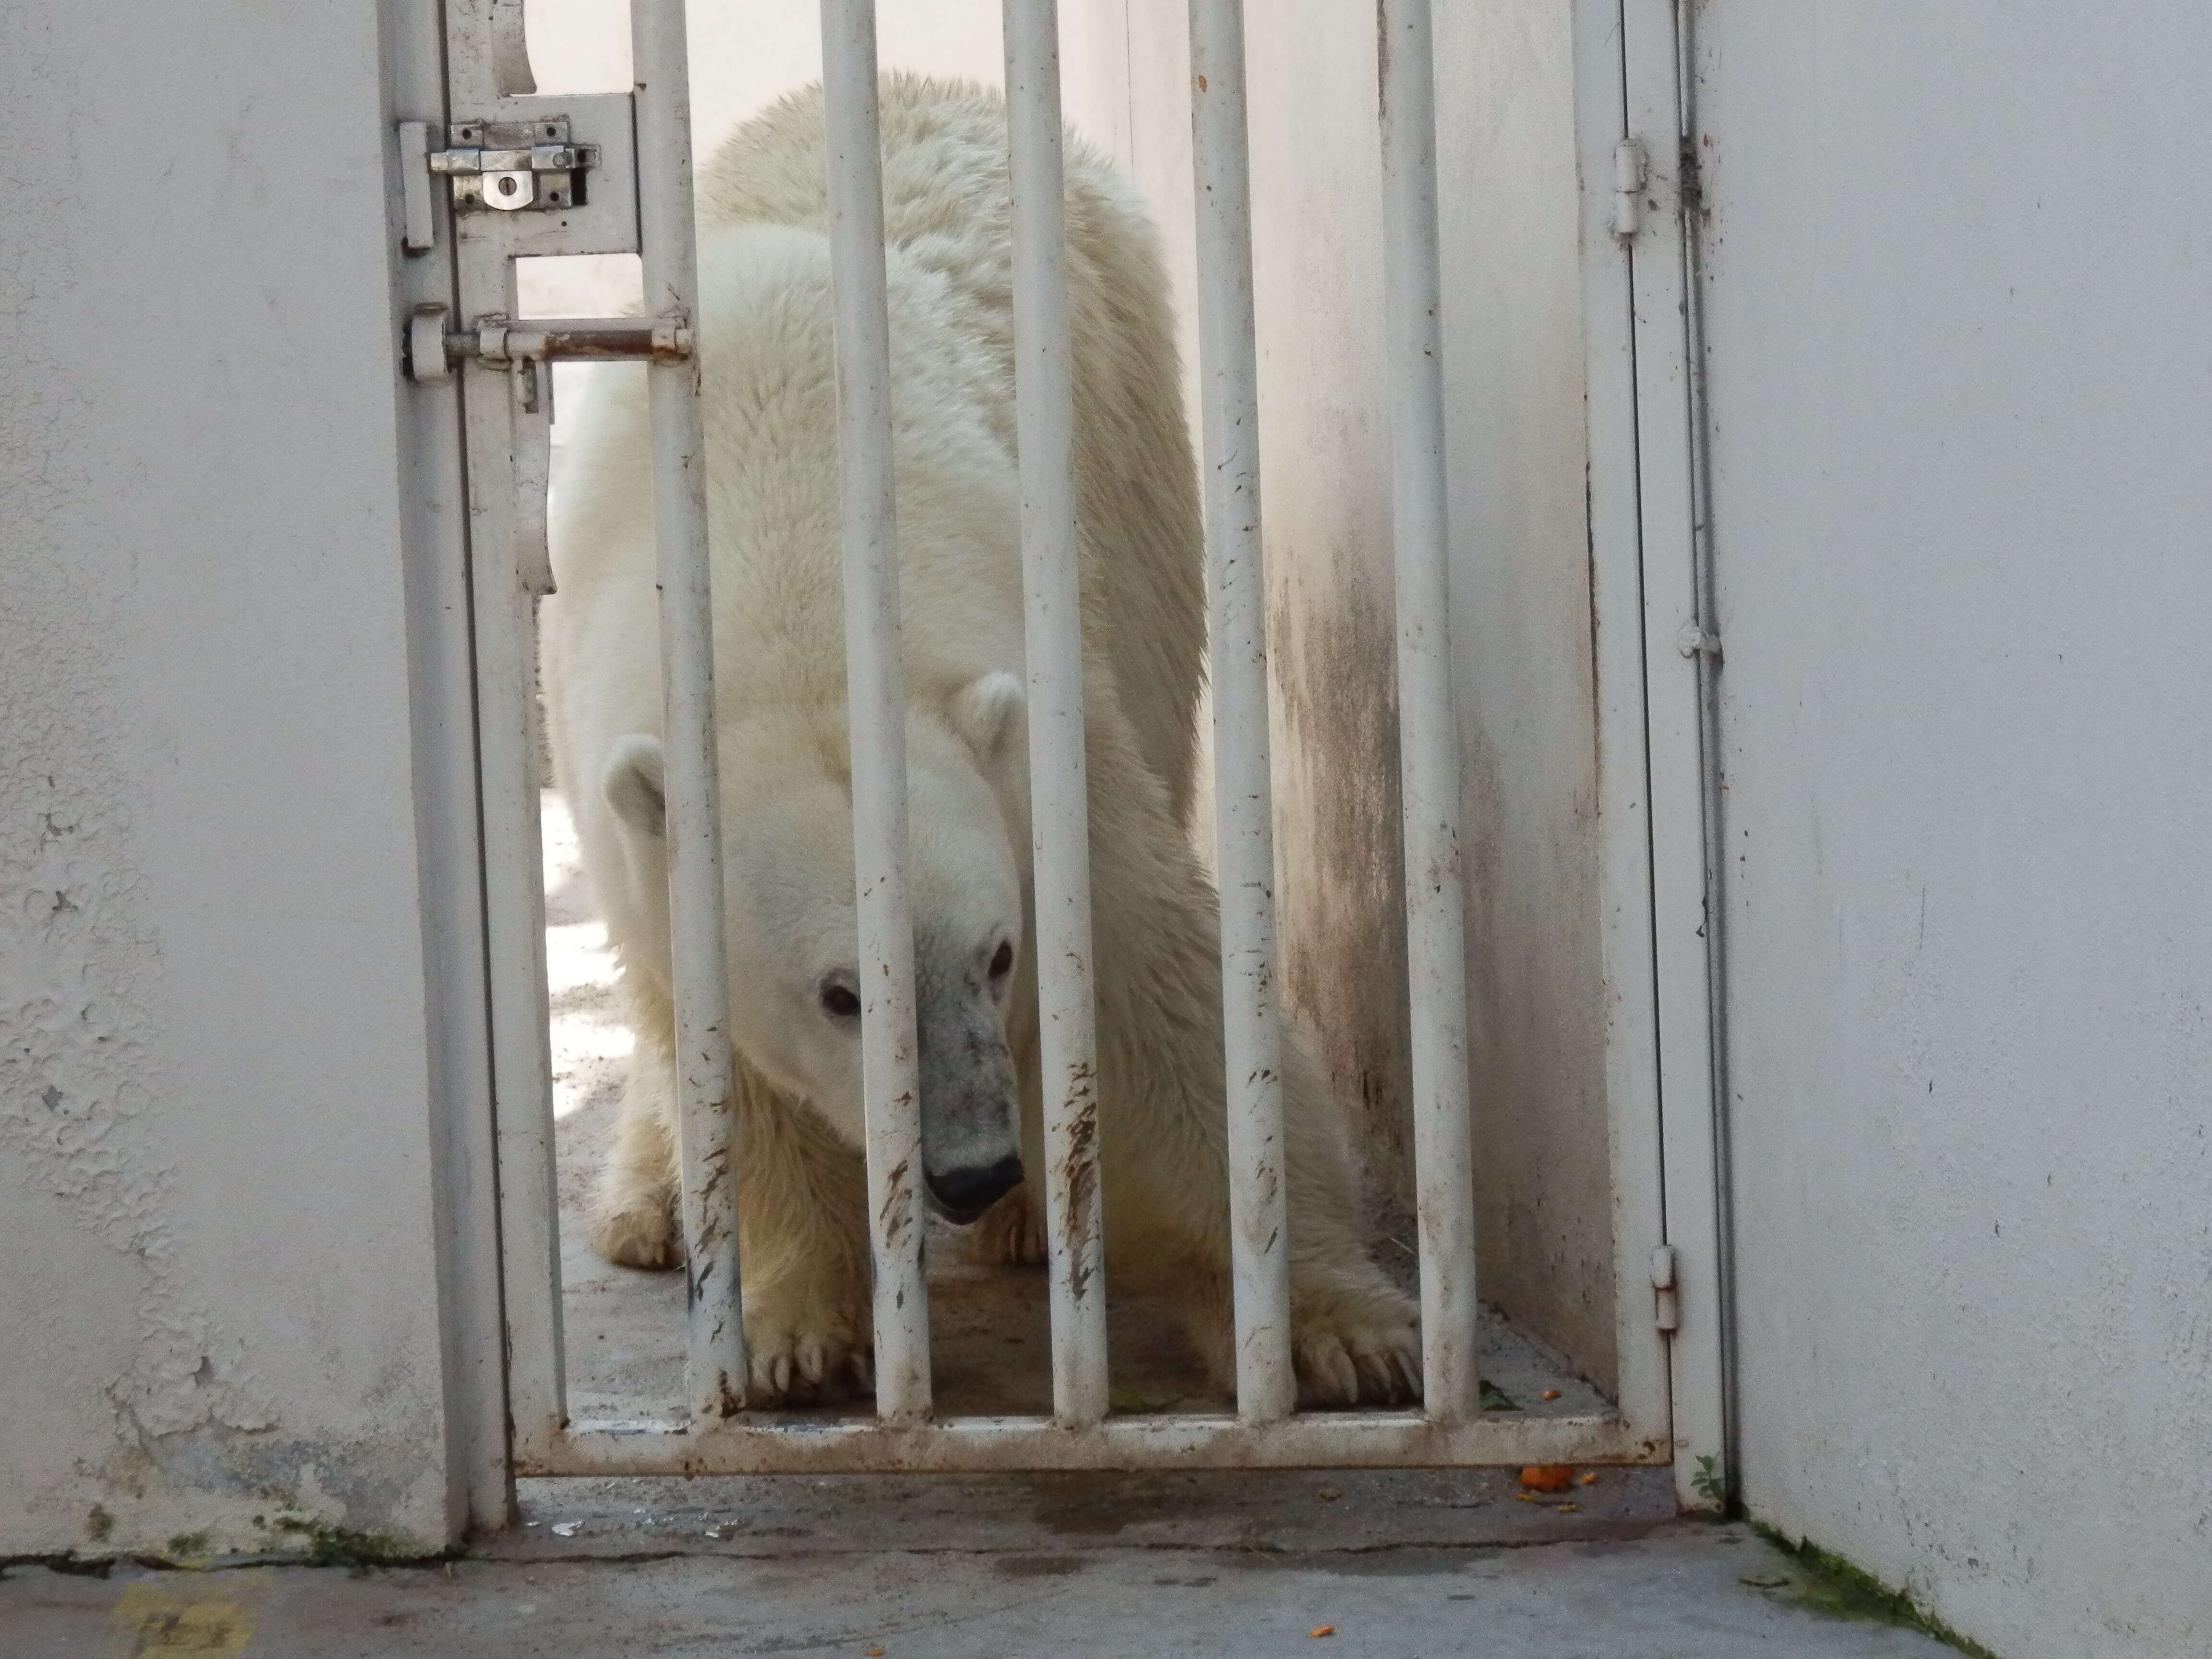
970	1137
962	1194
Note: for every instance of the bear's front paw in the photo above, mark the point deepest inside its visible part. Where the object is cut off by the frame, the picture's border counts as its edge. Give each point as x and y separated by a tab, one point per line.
802	1348
1358	1347
1012	1229
640	1235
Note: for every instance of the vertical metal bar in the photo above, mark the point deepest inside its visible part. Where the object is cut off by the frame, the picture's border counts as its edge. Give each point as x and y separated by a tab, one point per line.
1681	744
876	708
1052	586
1712	762
451	829
1628	945
503	644
715	1358
1436	920
1267	1386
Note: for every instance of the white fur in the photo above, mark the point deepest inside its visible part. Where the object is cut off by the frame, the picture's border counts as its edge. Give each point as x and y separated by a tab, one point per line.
781	728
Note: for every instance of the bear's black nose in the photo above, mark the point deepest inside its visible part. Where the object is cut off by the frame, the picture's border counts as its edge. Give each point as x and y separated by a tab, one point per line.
964	1194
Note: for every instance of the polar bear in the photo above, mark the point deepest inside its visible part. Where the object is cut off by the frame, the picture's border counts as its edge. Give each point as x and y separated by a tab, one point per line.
768	367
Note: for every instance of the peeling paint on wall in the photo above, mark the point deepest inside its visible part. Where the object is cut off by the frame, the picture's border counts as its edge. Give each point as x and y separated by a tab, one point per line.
79	1070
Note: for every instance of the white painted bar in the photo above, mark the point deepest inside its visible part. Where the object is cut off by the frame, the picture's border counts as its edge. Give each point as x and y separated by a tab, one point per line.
1435	921
876	706
1052	586
715	1358
1314	1440
1266	1385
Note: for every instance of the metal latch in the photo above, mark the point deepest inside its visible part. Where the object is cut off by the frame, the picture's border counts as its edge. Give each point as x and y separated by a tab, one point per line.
525	350
1666	1308
510	166
433	348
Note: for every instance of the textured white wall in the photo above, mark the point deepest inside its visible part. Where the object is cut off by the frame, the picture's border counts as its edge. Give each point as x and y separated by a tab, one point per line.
1962	412
216	1278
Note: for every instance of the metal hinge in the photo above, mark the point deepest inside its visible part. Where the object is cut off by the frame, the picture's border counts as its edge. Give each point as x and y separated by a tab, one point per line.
510	166
1631	169
1666	1307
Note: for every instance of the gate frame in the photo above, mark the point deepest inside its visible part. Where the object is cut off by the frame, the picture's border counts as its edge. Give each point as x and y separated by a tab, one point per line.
476	794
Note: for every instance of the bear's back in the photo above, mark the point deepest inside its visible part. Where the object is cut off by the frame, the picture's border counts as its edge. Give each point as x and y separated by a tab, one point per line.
947	212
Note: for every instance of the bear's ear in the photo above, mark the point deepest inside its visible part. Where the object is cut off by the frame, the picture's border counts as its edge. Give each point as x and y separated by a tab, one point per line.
984	711
632	784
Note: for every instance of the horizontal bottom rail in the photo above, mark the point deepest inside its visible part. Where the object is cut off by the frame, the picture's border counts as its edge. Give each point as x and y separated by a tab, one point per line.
980	1444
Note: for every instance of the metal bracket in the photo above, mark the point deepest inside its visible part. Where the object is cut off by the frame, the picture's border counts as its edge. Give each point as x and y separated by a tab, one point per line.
530	385
511	165
1666	1308
419	232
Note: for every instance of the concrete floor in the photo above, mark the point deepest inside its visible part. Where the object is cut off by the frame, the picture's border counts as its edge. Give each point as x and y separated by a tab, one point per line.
1045	1568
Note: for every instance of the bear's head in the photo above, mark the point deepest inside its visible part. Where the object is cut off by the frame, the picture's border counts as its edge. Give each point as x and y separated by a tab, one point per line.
791	925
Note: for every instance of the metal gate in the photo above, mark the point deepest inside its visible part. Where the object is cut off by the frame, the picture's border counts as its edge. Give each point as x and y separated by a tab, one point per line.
510	174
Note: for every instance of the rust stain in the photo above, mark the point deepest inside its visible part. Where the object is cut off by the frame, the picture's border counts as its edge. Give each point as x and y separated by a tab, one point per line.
895	1218
1079	1170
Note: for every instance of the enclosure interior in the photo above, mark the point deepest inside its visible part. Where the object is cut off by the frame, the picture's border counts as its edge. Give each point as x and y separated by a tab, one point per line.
1523	624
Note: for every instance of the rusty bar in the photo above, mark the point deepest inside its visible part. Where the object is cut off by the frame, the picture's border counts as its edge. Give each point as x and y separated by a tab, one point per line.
876	713
714	1357
1435	917
1051	582
1267	1384
574	339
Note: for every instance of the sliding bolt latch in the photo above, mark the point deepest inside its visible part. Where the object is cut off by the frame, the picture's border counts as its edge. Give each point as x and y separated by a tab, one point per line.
510	166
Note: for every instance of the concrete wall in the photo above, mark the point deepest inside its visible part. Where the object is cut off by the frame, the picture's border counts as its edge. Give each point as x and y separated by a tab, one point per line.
219	1296
1961	417
1521	617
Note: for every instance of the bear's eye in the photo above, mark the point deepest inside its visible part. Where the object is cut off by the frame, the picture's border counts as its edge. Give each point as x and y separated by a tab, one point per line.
840	1000
1002	963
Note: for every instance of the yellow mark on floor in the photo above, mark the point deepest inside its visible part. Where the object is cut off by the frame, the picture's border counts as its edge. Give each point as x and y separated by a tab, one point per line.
163	1616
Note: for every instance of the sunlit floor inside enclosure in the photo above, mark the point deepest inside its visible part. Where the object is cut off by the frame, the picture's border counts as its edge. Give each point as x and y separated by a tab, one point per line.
990	1346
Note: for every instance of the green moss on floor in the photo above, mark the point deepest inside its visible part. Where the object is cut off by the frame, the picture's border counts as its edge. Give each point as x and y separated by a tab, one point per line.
1826	1584
324	1546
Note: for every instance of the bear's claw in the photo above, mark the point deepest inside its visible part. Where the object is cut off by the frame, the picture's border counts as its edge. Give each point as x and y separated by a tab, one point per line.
642	1237
804	1355
1011	1231
1366	1351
